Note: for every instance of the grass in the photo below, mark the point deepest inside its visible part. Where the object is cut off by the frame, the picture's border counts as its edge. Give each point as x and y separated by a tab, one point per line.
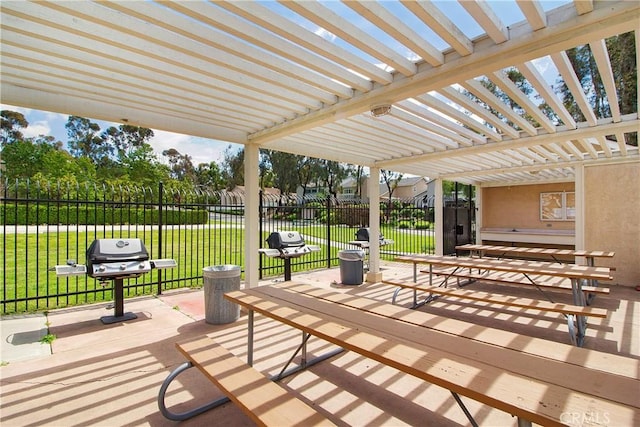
25	271
25	274
48	339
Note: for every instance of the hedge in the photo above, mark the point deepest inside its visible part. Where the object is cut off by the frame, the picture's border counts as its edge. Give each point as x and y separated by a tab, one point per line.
72	215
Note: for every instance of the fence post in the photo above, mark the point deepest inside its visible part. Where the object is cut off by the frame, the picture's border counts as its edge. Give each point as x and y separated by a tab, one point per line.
328	207
160	243
260	229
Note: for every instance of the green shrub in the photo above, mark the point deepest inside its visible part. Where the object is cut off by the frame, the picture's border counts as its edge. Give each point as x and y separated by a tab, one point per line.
71	215
404	224
422	225
406	213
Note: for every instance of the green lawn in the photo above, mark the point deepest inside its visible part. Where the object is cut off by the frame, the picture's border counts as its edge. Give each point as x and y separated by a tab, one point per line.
28	257
25	273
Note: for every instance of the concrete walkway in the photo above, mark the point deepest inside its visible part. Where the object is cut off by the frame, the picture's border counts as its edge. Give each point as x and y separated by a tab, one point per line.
109	375
22	337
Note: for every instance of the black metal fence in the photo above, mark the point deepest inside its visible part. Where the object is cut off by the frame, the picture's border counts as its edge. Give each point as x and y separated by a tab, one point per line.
44	225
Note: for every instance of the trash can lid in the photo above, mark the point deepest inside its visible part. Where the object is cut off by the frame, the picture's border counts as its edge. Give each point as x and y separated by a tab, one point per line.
221	271
226	267
351	254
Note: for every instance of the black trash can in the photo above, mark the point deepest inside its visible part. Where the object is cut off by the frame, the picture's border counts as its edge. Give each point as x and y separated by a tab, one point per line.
219	279
351	266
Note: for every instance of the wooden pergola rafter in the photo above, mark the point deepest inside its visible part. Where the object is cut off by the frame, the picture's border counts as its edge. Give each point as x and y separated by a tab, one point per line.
303	77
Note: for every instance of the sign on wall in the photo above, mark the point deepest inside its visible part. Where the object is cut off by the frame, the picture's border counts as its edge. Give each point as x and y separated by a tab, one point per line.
558	206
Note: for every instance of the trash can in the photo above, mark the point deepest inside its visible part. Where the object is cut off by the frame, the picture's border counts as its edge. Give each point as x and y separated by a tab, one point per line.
351	266
219	279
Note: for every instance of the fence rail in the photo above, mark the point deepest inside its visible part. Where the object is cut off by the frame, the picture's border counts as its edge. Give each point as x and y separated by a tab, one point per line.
46	225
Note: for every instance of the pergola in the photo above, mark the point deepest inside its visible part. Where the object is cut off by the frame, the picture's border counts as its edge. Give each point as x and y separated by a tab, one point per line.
387	90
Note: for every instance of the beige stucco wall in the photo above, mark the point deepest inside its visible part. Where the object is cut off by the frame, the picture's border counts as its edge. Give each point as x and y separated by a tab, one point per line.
612	217
519	207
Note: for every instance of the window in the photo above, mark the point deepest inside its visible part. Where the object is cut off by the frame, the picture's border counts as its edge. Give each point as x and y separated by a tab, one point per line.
558	206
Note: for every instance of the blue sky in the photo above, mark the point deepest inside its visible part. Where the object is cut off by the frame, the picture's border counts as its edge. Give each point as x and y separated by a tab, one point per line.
201	150
204	150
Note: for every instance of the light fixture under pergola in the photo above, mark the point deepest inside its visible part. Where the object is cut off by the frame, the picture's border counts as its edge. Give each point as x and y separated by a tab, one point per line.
380	110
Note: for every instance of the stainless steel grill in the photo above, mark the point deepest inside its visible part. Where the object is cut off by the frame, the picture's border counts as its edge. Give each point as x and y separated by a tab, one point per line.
287	245
115	260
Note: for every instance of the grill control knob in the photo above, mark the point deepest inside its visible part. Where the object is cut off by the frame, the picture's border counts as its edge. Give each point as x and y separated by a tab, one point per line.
102	268
123	266
141	266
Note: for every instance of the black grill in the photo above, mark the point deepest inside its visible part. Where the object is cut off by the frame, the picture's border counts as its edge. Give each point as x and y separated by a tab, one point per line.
362	239
287	245
117	258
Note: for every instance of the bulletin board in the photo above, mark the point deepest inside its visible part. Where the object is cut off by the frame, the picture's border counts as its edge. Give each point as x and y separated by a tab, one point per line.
558	206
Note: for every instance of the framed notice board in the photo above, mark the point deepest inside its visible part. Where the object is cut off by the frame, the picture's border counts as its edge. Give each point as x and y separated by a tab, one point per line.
558	206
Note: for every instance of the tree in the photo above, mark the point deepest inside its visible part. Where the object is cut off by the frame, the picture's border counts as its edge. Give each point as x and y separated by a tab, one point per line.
309	170
180	165
209	176
267	178
284	167
359	177
233	167
332	174
391	180
43	156
621	50
85	140
126	138
12	122
523	85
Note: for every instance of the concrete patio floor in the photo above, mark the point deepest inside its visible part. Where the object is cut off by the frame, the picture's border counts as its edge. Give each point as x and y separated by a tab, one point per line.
109	375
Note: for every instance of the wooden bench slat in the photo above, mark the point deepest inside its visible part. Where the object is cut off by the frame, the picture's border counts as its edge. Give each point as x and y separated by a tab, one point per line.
514	266
410	349
563	353
512	359
264	401
505	300
517	279
535	251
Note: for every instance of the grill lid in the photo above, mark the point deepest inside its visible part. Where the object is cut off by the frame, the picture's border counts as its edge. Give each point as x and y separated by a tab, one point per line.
363	235
117	258
112	250
285	239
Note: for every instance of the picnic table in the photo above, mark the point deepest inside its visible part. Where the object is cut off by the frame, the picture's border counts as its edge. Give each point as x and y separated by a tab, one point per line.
531	270
527	251
534	273
535	380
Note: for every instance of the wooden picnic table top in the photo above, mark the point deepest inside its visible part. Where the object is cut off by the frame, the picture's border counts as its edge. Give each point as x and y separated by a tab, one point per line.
536	380
535	251
572	271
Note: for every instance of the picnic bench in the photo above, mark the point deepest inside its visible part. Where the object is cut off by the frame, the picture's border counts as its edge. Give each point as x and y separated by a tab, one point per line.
532	273
535	380
264	401
575	315
554	253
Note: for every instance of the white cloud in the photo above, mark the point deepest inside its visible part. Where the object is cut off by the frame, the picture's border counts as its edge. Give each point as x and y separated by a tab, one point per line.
41	127
201	150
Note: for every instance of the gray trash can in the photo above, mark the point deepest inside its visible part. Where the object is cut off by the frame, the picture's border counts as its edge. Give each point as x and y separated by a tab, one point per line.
219	279
351	266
